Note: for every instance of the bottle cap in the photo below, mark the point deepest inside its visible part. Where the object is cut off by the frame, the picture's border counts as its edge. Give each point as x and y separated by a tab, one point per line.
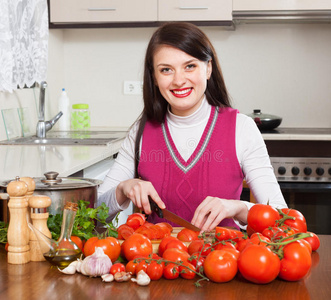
80	106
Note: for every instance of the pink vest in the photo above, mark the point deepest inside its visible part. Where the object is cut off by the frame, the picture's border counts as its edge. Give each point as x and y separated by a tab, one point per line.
212	170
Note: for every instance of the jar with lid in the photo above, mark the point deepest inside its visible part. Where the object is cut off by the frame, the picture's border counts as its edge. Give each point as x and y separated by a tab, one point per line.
80	117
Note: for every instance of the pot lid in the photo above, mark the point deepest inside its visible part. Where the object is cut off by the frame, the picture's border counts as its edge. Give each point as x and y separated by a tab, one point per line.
52	182
265	117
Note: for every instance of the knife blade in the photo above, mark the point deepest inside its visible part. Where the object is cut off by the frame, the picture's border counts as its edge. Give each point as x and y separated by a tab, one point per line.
170	216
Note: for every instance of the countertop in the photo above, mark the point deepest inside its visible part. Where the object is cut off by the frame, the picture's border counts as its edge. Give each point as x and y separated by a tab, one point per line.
38	280
35	160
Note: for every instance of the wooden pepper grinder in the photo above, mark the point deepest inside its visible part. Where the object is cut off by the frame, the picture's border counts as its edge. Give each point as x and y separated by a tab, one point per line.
39	216
31	187
18	231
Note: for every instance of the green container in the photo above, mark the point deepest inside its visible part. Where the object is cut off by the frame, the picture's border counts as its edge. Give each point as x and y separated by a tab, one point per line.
80	117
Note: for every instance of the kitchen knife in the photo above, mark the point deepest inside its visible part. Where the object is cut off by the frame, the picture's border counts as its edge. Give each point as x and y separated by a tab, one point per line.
166	214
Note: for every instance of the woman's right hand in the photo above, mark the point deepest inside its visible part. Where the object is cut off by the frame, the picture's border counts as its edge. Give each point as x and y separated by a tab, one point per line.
137	191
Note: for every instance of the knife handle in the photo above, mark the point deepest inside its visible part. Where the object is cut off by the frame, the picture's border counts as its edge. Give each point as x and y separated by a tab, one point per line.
155	208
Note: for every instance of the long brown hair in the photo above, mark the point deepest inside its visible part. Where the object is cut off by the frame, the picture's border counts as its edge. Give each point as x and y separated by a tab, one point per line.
191	40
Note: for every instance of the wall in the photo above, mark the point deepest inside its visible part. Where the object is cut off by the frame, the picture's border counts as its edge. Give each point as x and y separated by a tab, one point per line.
283	69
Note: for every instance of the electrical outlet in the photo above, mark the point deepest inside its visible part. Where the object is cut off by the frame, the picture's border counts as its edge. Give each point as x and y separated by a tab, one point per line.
133	88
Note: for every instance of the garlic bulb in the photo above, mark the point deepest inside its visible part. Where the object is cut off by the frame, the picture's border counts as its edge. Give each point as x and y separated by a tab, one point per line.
96	264
142	278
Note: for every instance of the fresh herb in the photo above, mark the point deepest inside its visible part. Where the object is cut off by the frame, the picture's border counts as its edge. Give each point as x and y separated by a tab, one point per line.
3	232
86	222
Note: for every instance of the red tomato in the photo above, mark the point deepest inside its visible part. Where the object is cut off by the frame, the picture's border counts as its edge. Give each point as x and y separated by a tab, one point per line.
166	226
220	266
155	270
197	246
187	270
110	246
187	235
133	223
295	263
233	251
258	264
142	265
261	216
197	260
131	267
299	221
314	241
124	231
236	235
175	255
135	245
115	268
176	244
138	216
222	245
171	271
222	233
242	244
274	233
77	240
258	238
164	242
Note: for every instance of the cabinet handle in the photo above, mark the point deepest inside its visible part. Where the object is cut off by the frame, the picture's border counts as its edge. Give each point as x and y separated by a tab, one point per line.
193	7
101	9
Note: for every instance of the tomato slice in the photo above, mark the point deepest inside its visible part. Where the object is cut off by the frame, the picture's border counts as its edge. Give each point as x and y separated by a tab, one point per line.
140	217
134	223
124	231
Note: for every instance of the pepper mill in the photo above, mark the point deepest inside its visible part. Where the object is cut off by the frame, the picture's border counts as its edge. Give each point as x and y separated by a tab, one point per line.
39	215
18	231
31	187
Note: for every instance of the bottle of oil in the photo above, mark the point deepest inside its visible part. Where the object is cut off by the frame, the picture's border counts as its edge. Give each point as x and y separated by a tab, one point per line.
62	252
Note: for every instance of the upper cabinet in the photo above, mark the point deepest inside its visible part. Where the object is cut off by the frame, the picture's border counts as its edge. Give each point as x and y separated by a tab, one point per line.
102	11
195	10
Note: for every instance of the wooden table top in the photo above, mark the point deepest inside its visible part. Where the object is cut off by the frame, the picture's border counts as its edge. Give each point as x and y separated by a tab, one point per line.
38	280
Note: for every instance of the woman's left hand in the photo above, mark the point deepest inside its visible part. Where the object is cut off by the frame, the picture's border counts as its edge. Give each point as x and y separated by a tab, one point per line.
213	210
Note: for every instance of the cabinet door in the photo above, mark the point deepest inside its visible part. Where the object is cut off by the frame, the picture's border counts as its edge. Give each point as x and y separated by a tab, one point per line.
195	10
102	11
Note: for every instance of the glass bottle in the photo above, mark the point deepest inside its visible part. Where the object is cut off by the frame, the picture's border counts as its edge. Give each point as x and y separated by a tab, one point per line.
62	252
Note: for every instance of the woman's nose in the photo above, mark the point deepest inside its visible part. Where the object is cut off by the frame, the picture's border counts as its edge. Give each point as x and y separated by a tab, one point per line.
179	78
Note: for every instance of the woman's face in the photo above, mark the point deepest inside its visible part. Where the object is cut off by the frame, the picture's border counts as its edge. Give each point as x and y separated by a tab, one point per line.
181	79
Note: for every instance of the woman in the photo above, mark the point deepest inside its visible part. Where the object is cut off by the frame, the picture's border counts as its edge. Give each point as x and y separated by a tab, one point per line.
189	151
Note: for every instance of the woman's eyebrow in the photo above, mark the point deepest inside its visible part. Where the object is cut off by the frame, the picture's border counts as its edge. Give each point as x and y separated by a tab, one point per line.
185	63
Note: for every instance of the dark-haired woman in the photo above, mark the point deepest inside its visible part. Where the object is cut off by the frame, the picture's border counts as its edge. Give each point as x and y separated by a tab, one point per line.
189	151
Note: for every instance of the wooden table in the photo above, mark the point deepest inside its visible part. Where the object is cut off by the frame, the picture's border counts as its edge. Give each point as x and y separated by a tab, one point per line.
38	280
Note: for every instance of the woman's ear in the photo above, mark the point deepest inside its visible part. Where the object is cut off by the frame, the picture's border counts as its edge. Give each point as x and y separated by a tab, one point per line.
209	69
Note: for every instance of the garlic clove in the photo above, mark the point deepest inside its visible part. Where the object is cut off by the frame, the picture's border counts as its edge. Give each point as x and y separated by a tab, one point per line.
107	277
70	269
142	278
122	276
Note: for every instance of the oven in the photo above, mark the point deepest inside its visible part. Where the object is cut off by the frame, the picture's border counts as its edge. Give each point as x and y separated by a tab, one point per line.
301	159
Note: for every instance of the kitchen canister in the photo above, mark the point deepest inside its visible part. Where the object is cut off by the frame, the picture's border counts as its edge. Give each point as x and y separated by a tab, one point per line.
80	117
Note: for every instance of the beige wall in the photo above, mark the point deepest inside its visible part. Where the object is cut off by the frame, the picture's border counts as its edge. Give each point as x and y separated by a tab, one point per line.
283	69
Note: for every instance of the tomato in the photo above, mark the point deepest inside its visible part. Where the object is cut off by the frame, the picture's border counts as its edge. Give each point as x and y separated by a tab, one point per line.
133	223
187	270
241	245
131	267
314	241
295	263
166	227
307	244
220	246
115	268
222	233
124	231
261	216
274	233
187	235
198	246
138	216
175	255
220	266
176	244
142	265
236	235
164	242
171	271
299	221
77	240
258	264
110	246
136	244
155	270
197	260
233	251
6	247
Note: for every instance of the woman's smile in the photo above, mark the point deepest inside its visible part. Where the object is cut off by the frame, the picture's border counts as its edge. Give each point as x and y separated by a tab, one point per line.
181	93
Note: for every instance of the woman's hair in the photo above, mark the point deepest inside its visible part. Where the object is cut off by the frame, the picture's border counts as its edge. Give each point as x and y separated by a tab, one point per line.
191	40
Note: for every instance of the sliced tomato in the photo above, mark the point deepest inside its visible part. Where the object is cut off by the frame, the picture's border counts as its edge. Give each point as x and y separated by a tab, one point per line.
138	216
187	235
124	231
133	223
166	225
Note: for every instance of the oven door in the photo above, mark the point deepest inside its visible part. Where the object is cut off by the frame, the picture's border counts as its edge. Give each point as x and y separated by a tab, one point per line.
313	200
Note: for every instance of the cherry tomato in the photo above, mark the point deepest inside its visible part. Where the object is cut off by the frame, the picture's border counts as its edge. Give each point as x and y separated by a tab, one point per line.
171	271
164	242
197	260
261	216
220	266
175	255
236	235
124	231
259	239
314	241
187	235
274	233
222	233
110	246
199	246
187	270
155	270
77	240
242	244
131	267
142	265
299	221
258	264
176	244
115	268
220	246
296	262
135	245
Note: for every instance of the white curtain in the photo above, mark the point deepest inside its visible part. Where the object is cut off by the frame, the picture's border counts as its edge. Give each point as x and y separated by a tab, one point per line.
23	43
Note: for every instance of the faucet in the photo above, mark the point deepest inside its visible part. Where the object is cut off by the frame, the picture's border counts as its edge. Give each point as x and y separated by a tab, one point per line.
42	125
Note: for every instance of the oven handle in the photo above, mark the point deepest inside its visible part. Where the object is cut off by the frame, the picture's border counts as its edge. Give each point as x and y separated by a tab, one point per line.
307	187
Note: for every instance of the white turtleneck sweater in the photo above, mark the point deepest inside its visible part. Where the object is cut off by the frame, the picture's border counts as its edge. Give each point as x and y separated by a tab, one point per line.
186	132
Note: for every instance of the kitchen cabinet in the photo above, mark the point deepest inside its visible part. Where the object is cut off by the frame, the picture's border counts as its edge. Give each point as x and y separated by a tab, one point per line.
102	11
195	10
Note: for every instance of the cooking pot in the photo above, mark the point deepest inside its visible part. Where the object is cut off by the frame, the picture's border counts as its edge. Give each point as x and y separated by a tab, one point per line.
265	121
61	190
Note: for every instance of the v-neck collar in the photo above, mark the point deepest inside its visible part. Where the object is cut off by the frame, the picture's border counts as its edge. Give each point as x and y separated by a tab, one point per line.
186	166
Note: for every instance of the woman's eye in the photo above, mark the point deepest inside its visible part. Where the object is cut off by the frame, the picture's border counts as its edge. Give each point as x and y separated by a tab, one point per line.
190	66
165	70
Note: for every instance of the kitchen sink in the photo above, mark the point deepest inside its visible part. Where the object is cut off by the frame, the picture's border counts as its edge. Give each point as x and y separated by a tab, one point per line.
69	138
